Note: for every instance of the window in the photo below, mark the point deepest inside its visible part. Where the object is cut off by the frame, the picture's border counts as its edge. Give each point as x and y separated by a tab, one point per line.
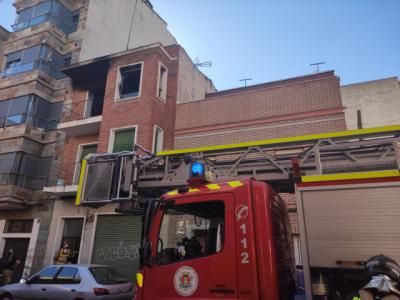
52	11
86	150
19	226
124	140
68	275
41	57
45	276
72	234
162	82
107	275
158	139
129	81
83	151
191	230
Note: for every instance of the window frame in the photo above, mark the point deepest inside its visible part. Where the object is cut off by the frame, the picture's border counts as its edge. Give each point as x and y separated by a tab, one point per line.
117	96
158	264
154	138
51	281
159	82
59	281
78	155
114	130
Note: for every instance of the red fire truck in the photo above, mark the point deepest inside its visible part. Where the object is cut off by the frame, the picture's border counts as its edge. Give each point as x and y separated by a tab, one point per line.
228	240
231	239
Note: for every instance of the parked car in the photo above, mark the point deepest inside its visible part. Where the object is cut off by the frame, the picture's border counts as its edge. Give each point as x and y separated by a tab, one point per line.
71	282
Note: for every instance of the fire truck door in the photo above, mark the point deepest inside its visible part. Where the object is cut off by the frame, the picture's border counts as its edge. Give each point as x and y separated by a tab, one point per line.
195	255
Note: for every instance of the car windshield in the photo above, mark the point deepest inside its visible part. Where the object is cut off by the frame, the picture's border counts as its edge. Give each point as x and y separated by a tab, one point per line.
107	275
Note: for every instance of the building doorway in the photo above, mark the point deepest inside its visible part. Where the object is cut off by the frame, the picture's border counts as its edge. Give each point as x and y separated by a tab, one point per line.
20	247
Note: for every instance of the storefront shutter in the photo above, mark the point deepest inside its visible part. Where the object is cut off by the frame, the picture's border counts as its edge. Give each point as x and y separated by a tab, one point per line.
117	242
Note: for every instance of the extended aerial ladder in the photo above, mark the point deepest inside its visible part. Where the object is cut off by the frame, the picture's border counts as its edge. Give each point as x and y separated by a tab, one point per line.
129	178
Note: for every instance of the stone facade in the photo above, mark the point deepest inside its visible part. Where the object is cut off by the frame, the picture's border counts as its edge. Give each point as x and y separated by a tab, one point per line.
3	38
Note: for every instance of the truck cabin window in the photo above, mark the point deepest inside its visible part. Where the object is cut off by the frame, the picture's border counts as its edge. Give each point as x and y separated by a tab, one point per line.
191	230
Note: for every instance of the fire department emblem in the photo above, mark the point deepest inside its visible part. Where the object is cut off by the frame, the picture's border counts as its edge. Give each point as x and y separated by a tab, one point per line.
186	281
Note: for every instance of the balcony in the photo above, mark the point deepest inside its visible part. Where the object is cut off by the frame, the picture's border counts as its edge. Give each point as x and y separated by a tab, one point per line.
16	189
81	118
63	180
49	17
40	65
32	119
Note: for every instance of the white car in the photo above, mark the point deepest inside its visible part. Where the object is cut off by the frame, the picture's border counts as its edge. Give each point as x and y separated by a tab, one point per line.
71	282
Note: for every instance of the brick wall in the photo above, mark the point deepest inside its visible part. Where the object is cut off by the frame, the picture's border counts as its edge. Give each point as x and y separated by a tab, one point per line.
69	156
298	106
146	110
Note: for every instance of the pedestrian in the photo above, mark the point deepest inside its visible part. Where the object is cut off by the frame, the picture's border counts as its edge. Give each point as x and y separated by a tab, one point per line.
63	254
9	263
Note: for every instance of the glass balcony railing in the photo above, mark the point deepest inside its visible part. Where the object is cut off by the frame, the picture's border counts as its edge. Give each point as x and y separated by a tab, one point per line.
32	119
64	26
22	180
41	65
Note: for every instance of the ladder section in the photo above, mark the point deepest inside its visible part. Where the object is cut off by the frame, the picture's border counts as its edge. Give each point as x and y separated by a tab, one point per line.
130	176
273	161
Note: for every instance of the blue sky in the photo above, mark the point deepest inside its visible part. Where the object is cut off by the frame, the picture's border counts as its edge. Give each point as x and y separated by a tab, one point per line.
274	39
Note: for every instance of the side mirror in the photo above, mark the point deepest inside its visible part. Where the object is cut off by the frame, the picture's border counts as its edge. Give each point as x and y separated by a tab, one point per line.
22	281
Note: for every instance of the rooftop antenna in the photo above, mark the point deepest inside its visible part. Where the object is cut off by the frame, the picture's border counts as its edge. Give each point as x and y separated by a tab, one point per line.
317	66
245	81
204	64
198	64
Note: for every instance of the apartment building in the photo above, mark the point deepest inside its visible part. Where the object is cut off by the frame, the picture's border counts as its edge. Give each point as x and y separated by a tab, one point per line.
71	86
120	100
4	33
49	35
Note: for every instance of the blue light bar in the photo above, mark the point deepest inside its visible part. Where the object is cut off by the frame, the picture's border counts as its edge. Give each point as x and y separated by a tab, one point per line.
197	170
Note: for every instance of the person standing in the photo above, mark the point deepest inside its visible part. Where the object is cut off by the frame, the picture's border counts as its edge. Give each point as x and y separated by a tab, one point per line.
64	254
9	263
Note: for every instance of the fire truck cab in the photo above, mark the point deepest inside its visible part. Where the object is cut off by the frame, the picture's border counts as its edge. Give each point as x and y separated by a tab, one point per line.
227	240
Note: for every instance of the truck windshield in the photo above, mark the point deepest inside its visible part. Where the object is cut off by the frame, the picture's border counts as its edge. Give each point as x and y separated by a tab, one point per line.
191	230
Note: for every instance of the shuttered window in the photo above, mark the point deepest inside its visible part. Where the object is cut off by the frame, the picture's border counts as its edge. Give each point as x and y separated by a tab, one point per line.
124	140
117	242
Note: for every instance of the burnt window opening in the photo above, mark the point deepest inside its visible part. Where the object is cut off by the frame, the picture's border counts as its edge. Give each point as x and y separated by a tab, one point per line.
129	84
162	83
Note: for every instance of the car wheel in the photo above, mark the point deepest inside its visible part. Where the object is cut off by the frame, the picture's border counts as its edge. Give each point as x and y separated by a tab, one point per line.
6	297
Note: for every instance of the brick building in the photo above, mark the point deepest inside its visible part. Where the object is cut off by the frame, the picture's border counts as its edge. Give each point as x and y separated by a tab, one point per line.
35	95
81	89
112	120
295	106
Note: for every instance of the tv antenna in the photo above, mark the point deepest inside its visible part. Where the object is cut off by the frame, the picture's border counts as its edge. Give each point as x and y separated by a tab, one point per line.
245	81
204	64
317	66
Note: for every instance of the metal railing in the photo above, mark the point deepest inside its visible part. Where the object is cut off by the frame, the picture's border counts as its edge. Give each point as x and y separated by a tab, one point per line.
66	174
32	119
40	65
82	110
22	180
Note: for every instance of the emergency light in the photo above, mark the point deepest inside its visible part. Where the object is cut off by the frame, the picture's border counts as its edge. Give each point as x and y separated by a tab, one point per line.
197	170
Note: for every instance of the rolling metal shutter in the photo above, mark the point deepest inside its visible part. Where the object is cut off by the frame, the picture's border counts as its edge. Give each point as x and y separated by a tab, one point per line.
117	242
351	223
